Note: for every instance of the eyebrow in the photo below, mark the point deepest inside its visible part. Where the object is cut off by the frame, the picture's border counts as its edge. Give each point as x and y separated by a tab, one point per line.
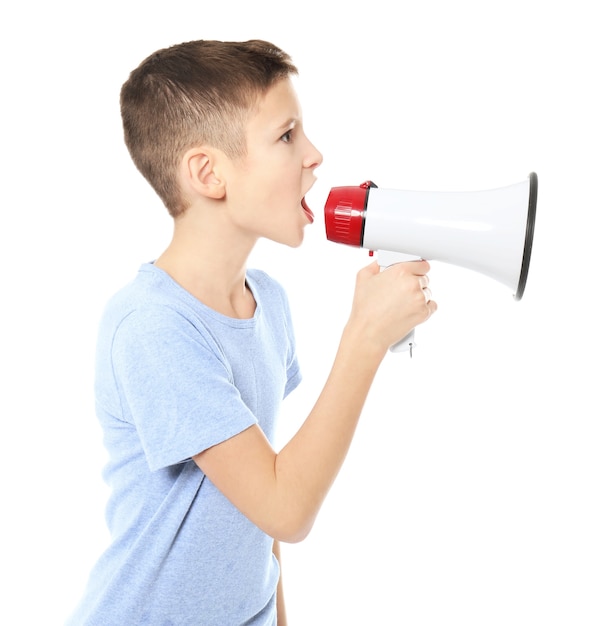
292	121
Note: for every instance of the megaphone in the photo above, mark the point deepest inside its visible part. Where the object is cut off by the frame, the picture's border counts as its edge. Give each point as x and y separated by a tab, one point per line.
489	231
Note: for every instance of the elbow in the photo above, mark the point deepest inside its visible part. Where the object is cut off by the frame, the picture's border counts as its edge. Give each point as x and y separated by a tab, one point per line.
294	535
291	528
291	535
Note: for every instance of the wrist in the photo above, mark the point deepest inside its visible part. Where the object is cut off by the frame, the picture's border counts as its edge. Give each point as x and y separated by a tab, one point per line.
361	344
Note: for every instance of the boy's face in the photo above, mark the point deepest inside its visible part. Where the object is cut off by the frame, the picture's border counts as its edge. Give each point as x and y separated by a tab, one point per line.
265	189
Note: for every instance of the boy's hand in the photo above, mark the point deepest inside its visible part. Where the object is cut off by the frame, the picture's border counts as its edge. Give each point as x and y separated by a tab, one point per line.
389	304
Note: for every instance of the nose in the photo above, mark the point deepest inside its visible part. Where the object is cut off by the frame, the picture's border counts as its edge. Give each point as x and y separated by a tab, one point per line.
313	157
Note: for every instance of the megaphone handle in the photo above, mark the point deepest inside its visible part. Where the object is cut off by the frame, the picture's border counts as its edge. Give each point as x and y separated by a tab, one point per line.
407	343
385	258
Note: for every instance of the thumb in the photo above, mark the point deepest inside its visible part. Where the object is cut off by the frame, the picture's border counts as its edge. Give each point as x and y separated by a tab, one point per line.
373	268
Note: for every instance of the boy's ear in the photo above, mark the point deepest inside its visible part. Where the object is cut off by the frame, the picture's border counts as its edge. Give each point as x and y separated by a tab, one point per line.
200	169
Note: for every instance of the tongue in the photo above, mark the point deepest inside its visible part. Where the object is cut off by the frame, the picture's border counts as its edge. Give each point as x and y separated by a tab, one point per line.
307	210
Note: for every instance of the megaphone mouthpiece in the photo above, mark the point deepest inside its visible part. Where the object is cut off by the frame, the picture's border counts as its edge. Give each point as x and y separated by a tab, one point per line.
344	213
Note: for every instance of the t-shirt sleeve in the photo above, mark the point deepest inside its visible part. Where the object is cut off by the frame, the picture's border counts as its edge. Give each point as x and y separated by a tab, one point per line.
175	386
293	370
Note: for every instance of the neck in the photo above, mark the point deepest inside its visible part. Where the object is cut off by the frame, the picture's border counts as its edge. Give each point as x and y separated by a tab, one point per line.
211	265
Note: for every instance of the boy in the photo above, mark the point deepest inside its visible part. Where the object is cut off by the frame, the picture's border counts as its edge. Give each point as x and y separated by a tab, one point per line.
196	354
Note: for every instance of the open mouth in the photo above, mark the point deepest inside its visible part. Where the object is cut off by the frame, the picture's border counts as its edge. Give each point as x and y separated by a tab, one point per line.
307	210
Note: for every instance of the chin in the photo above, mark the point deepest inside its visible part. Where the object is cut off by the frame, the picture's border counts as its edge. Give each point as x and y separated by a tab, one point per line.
293	242
290	235
296	243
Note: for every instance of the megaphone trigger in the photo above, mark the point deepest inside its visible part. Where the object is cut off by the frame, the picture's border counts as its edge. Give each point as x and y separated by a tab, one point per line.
386	258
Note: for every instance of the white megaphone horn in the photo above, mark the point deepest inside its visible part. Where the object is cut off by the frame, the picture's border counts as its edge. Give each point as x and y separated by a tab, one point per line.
490	231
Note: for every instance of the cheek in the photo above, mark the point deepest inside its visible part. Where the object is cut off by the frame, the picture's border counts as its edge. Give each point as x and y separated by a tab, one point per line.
277	194
269	196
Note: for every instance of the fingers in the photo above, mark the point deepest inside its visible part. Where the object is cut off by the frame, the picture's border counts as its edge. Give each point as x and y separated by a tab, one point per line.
406	269
388	304
423	281
414	275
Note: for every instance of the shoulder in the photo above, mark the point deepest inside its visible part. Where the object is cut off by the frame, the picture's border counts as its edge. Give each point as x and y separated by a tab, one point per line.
150	293
153	308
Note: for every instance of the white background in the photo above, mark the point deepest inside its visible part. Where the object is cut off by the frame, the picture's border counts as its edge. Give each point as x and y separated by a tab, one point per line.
479	488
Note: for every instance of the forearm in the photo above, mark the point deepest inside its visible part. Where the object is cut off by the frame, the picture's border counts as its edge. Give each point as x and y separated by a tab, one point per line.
307	466
282	620
283	492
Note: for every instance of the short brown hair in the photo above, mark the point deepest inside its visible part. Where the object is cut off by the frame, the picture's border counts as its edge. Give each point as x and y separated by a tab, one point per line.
191	93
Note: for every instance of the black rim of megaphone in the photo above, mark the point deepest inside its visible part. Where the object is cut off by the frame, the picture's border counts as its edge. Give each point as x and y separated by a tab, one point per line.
528	239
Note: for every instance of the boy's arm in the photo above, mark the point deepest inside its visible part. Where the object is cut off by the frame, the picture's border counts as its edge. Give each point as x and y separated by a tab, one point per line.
283	492
281	603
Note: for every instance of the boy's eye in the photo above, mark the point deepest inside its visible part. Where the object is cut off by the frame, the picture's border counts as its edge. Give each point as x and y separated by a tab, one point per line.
287	136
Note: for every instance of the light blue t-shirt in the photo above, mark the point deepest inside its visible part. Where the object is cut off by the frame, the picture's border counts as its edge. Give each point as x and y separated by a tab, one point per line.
174	377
